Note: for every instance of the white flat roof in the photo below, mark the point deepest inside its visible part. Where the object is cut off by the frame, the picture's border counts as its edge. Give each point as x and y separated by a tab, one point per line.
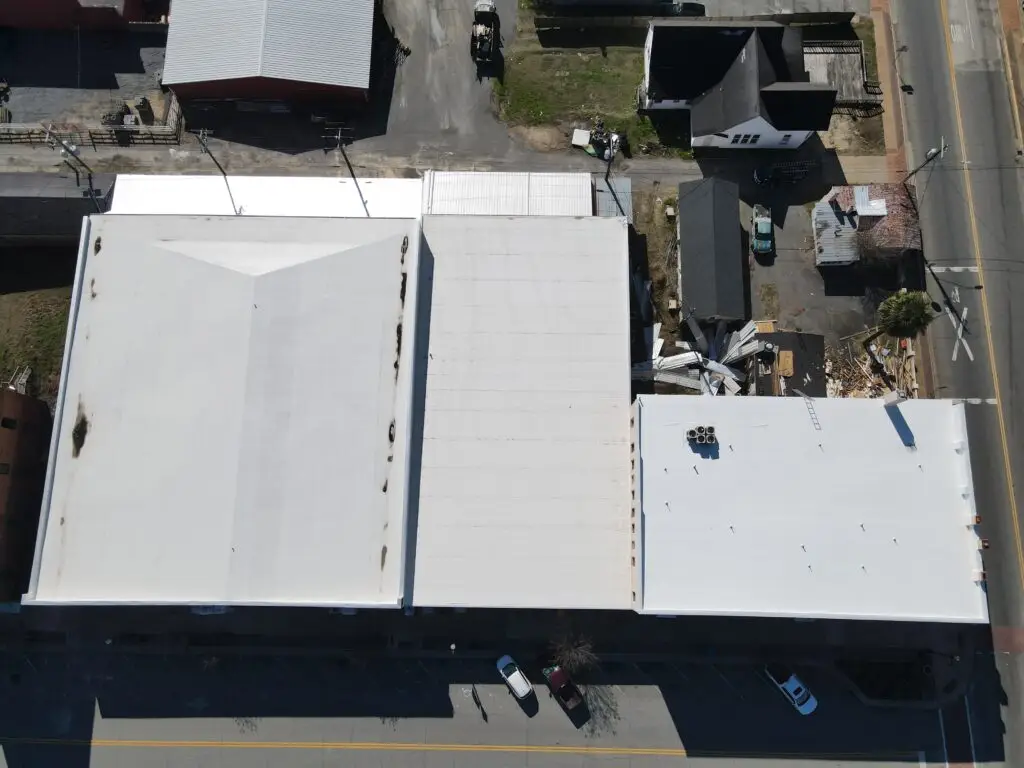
789	519
524	497
507	194
267	196
246	432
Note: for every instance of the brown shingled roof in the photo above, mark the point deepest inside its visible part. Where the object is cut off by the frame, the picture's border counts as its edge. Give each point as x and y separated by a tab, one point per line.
898	230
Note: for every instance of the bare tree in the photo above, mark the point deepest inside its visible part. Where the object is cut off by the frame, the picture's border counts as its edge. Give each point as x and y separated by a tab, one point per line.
574	653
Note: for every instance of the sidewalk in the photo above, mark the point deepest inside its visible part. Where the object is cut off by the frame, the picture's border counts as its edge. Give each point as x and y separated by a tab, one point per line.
1013	58
892	118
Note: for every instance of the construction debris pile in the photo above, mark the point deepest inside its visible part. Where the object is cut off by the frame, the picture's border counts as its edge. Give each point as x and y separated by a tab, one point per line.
710	365
856	370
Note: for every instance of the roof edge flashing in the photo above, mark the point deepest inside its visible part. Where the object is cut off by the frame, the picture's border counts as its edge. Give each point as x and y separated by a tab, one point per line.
58	415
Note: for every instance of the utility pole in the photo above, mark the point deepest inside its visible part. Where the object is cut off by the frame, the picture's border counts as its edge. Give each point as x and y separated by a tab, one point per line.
69	154
201	134
930	155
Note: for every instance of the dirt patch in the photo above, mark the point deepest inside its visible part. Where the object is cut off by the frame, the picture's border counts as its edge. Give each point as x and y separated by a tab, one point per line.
33	325
849	135
658	233
769	296
541	138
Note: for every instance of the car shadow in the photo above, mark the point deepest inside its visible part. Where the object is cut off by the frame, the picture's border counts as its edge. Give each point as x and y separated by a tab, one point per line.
530	705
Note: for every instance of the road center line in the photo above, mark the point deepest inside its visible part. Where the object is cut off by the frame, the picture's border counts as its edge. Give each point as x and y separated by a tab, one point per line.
987	316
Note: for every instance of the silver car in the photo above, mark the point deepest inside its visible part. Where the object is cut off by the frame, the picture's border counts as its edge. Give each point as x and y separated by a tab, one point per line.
514	677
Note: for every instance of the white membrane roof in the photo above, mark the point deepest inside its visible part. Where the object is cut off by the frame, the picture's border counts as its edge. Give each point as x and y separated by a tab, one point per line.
212	194
523	488
825	508
242	408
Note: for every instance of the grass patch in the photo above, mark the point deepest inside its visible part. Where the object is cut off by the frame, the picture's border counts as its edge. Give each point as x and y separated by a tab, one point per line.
659	233
555	86
32	329
864	28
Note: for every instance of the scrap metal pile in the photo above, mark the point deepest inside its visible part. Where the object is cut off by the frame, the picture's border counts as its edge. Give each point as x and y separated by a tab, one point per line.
710	365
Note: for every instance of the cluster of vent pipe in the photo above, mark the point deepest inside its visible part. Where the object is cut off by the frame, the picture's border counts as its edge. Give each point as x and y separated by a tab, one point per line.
701	435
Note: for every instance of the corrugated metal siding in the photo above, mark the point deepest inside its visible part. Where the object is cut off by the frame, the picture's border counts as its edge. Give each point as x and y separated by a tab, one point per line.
213	41
507	194
618	204
319	41
835	242
315	41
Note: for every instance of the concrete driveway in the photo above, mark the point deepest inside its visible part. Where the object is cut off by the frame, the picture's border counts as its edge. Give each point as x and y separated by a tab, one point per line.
440	100
790	289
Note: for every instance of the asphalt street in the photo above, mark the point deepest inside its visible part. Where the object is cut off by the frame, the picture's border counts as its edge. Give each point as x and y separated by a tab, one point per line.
109	711
950	54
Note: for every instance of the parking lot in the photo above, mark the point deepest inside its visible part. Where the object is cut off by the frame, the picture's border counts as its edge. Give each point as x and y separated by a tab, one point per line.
789	288
118	710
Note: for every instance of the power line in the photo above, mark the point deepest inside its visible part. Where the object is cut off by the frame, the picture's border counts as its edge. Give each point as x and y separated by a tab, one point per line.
201	134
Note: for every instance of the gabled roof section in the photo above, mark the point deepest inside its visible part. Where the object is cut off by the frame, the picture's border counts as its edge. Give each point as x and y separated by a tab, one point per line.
732	74
798	106
234	415
710	252
735	99
311	41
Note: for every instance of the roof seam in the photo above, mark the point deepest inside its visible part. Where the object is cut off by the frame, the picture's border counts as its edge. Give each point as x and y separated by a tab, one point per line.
263	37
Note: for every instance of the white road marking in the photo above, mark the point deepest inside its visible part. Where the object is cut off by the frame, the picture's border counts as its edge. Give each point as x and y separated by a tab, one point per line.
970	728
960	340
956	294
956	31
970	27
954	269
942	731
976	400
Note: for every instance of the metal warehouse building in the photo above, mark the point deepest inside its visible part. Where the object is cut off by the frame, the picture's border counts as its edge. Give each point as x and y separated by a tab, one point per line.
269	49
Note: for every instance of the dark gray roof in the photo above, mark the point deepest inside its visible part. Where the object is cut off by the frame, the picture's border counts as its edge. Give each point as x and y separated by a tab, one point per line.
49	206
736	98
731	74
710	253
798	106
614	197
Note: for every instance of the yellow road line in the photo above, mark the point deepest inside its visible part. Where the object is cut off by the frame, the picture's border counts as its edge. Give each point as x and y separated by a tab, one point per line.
376	746
382	746
976	241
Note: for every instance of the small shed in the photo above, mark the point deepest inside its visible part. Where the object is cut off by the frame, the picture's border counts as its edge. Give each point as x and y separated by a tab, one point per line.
872	222
710	252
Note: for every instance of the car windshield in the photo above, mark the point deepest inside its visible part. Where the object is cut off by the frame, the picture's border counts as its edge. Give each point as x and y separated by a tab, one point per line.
764	227
509	669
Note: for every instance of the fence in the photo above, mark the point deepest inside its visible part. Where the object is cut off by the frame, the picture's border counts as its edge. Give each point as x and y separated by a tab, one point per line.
79	136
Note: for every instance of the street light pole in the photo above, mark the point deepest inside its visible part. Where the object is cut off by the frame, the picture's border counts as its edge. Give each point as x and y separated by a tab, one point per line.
930	155
70	156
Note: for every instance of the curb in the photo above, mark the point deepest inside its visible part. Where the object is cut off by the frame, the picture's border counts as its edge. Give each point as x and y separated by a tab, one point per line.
1011	14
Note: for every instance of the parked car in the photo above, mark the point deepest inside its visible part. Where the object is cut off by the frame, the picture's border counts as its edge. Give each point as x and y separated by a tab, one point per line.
562	687
762	230
792	688
514	677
